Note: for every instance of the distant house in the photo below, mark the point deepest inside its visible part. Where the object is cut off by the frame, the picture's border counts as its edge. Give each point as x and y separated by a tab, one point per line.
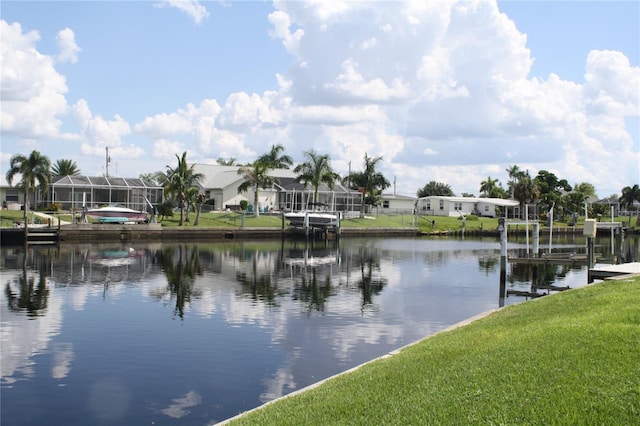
397	203
220	185
12	198
461	206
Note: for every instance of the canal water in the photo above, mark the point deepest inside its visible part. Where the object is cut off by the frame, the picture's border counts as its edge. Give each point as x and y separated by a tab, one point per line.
192	334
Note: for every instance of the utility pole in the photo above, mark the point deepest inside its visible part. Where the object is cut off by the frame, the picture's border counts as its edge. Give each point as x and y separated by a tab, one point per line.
108	160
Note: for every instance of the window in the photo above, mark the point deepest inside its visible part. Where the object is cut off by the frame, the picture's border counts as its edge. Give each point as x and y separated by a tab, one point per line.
441	204
428	205
457	206
385	204
12	196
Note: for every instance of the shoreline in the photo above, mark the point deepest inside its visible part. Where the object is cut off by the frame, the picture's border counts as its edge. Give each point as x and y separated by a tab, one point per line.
83	233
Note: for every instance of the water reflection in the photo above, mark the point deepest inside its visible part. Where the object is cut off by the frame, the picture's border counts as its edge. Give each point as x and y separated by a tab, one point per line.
180	264
91	329
24	295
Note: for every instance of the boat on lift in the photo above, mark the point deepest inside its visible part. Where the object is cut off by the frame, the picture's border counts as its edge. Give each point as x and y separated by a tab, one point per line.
117	214
314	218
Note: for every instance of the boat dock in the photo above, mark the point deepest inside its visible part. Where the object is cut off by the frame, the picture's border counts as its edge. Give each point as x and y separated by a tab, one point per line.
614	271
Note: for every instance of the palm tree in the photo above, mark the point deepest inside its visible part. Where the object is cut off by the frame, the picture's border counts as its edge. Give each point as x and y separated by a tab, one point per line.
34	168
630	194
256	176
489	187
514	174
150	177
435	188
371	181
64	167
315	171
230	162
201	199
178	181
525	191
273	159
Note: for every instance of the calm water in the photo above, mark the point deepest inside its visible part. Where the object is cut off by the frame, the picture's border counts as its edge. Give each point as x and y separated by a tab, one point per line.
192	334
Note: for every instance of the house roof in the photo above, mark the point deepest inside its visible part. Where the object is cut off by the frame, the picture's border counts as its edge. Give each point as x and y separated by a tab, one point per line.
398	197
219	177
291	184
494	201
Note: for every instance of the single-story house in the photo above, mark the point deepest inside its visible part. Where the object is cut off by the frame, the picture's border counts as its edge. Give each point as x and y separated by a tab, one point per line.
12	198
220	185
461	206
397	203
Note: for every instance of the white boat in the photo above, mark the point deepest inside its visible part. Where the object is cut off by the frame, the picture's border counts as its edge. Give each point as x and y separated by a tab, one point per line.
312	219
115	214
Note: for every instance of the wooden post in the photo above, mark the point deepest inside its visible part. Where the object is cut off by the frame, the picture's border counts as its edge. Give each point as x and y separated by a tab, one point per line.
590	228
502	228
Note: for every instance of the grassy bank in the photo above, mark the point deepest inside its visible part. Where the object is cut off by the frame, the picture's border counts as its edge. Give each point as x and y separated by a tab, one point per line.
236	220
567	359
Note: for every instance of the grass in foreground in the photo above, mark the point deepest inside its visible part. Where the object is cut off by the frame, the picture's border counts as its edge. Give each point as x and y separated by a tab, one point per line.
567	359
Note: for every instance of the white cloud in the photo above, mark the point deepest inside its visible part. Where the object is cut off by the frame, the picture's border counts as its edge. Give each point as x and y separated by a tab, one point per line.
613	85
193	8
32	91
352	83
281	29
440	89
68	48
165	149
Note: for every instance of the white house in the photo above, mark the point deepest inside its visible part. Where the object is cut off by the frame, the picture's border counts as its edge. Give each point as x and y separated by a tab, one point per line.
220	185
397	203
12	197
461	206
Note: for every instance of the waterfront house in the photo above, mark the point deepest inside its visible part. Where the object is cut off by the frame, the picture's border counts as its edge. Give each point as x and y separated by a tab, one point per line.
462	206
220	185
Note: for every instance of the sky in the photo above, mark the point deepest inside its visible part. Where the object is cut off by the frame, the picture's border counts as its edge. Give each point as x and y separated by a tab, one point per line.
446	91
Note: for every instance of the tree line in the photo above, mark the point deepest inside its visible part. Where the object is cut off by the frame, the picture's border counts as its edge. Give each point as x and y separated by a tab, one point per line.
546	190
181	188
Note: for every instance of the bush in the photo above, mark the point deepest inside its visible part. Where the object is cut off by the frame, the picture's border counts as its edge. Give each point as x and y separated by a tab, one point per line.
53	207
244	204
165	209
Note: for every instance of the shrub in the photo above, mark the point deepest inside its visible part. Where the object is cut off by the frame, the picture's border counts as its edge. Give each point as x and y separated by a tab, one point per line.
53	207
244	204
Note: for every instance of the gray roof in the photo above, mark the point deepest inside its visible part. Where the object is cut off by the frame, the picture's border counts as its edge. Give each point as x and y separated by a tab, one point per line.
291	184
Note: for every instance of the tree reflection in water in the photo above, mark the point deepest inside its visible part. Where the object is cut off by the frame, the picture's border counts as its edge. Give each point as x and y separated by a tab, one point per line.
29	297
180	264
310	293
258	283
370	284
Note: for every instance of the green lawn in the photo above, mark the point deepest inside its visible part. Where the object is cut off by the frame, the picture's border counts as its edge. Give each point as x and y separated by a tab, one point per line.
571	358
236	220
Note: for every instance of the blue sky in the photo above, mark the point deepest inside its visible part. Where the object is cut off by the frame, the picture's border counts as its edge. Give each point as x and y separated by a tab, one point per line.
447	91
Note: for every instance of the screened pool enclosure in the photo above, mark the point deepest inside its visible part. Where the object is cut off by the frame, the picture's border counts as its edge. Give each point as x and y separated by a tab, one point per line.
74	192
